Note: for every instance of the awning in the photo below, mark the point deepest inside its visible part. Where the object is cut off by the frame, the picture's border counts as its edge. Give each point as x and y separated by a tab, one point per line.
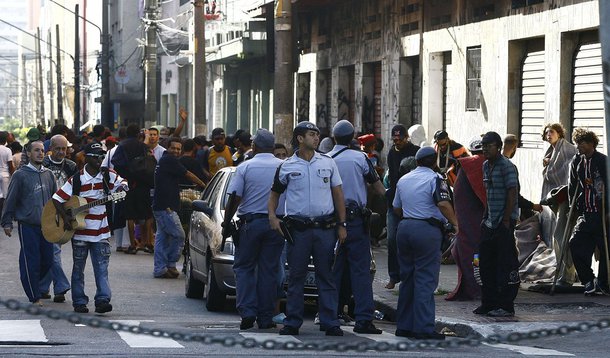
239	49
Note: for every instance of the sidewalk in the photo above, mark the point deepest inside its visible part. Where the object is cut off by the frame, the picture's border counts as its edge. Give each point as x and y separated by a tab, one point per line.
533	310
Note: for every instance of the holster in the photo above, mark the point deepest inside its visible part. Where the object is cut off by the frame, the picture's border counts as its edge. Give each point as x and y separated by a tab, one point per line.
355	212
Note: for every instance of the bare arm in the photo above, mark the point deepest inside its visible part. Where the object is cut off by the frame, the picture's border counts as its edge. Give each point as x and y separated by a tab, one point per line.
274	197
397	211
379	188
183	116
193	178
447	210
510	205
11	167
64	215
339	201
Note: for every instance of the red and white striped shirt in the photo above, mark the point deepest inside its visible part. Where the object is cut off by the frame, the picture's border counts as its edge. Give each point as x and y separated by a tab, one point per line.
92	188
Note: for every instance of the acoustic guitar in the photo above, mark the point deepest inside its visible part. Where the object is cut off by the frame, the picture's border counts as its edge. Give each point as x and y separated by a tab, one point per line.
77	208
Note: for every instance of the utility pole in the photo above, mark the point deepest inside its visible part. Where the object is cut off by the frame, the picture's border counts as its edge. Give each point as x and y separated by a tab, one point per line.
24	90
283	79
76	73
107	112
40	82
50	76
150	63
199	94
60	101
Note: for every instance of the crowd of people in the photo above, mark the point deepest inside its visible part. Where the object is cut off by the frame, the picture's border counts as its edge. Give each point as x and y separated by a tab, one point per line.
314	198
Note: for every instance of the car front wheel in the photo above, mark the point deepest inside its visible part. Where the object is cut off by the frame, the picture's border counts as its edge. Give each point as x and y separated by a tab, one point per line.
193	288
215	298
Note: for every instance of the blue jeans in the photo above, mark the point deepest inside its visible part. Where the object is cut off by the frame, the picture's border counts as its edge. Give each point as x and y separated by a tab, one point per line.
256	270
168	242
35	259
355	255
56	275
392	226
100	256
318	243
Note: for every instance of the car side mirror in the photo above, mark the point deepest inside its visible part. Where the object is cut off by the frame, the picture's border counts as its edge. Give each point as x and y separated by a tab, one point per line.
202	206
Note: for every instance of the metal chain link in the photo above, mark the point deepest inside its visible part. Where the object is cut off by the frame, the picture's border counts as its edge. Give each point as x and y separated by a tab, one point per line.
270	344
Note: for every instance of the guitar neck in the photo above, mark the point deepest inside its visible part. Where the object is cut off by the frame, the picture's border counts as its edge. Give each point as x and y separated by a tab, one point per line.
92	204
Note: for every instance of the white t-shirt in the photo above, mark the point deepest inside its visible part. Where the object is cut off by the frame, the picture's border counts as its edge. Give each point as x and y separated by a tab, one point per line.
158	152
5	156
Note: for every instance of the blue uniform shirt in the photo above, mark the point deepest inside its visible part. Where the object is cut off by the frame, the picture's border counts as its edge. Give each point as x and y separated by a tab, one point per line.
419	192
252	182
356	170
308	185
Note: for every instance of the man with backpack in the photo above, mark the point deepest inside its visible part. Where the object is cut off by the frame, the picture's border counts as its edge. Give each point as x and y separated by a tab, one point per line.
134	161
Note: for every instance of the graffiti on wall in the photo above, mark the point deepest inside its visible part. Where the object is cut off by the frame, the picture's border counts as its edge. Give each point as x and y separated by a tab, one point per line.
343	104
303	98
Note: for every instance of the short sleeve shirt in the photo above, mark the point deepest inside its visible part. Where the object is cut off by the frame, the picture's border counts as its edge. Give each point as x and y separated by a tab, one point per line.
355	170
307	185
168	174
498	178
419	192
5	156
252	182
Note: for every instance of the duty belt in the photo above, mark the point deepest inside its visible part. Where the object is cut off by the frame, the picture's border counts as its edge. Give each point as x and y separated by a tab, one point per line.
355	212
249	217
300	223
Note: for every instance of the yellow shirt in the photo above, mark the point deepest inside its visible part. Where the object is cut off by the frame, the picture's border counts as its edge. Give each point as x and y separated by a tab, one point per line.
218	160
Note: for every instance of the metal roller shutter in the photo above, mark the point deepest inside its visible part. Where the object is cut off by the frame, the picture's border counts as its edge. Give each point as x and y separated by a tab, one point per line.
588	91
532	99
447	87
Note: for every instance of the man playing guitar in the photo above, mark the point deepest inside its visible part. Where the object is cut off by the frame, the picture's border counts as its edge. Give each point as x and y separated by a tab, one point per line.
92	184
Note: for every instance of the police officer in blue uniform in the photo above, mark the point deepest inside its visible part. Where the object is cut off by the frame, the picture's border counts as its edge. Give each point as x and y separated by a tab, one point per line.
356	171
315	215
258	253
422	200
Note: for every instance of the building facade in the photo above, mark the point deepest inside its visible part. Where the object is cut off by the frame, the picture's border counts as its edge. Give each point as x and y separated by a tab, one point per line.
464	66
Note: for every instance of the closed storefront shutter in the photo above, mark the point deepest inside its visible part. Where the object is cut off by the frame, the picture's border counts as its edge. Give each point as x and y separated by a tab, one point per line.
447	87
532	99
588	95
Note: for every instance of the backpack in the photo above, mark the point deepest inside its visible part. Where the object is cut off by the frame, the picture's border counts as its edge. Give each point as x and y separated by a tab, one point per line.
143	170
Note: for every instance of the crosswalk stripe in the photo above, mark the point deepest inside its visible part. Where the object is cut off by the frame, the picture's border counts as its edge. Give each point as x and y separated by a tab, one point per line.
261	337
530	351
383	337
22	331
145	341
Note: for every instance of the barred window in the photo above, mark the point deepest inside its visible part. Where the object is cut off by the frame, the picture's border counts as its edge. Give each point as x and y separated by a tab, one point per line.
473	78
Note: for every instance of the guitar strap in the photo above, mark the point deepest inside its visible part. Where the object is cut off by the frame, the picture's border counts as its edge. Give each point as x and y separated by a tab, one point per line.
76	185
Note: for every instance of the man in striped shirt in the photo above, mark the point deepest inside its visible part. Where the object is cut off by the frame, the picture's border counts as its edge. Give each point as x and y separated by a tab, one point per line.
92	184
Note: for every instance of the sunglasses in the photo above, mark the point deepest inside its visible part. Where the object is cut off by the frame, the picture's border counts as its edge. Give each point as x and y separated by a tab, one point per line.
98	156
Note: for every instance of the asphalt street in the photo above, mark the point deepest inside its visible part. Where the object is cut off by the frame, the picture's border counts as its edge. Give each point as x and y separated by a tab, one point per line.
141	300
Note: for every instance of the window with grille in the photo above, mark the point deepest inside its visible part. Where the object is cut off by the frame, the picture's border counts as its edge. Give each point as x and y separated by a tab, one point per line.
473	78
523	3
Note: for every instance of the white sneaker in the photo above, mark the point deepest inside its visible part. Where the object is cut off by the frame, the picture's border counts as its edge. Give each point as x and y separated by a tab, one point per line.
317	319
279	318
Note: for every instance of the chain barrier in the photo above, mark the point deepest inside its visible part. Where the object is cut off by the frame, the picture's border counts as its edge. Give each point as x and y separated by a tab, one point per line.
270	344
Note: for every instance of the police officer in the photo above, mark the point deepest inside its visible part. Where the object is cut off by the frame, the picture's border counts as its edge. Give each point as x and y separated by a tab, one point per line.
422	200
315	214
356	171
260	247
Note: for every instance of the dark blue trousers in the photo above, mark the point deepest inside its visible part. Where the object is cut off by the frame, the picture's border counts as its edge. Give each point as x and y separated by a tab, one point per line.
35	259
318	243
256	269
419	257
355	253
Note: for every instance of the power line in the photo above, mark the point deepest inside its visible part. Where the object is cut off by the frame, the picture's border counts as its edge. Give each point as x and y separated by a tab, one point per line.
36	37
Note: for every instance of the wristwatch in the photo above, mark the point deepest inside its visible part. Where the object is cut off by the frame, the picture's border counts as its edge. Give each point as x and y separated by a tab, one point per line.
342	223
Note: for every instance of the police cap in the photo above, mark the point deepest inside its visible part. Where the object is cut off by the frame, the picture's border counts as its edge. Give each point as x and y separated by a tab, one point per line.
305	126
343	128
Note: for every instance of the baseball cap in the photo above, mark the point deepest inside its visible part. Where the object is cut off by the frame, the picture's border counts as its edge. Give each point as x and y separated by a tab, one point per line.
399	130
217	132
263	139
94	149
440	135
475	144
367	139
424	152
33	134
343	128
